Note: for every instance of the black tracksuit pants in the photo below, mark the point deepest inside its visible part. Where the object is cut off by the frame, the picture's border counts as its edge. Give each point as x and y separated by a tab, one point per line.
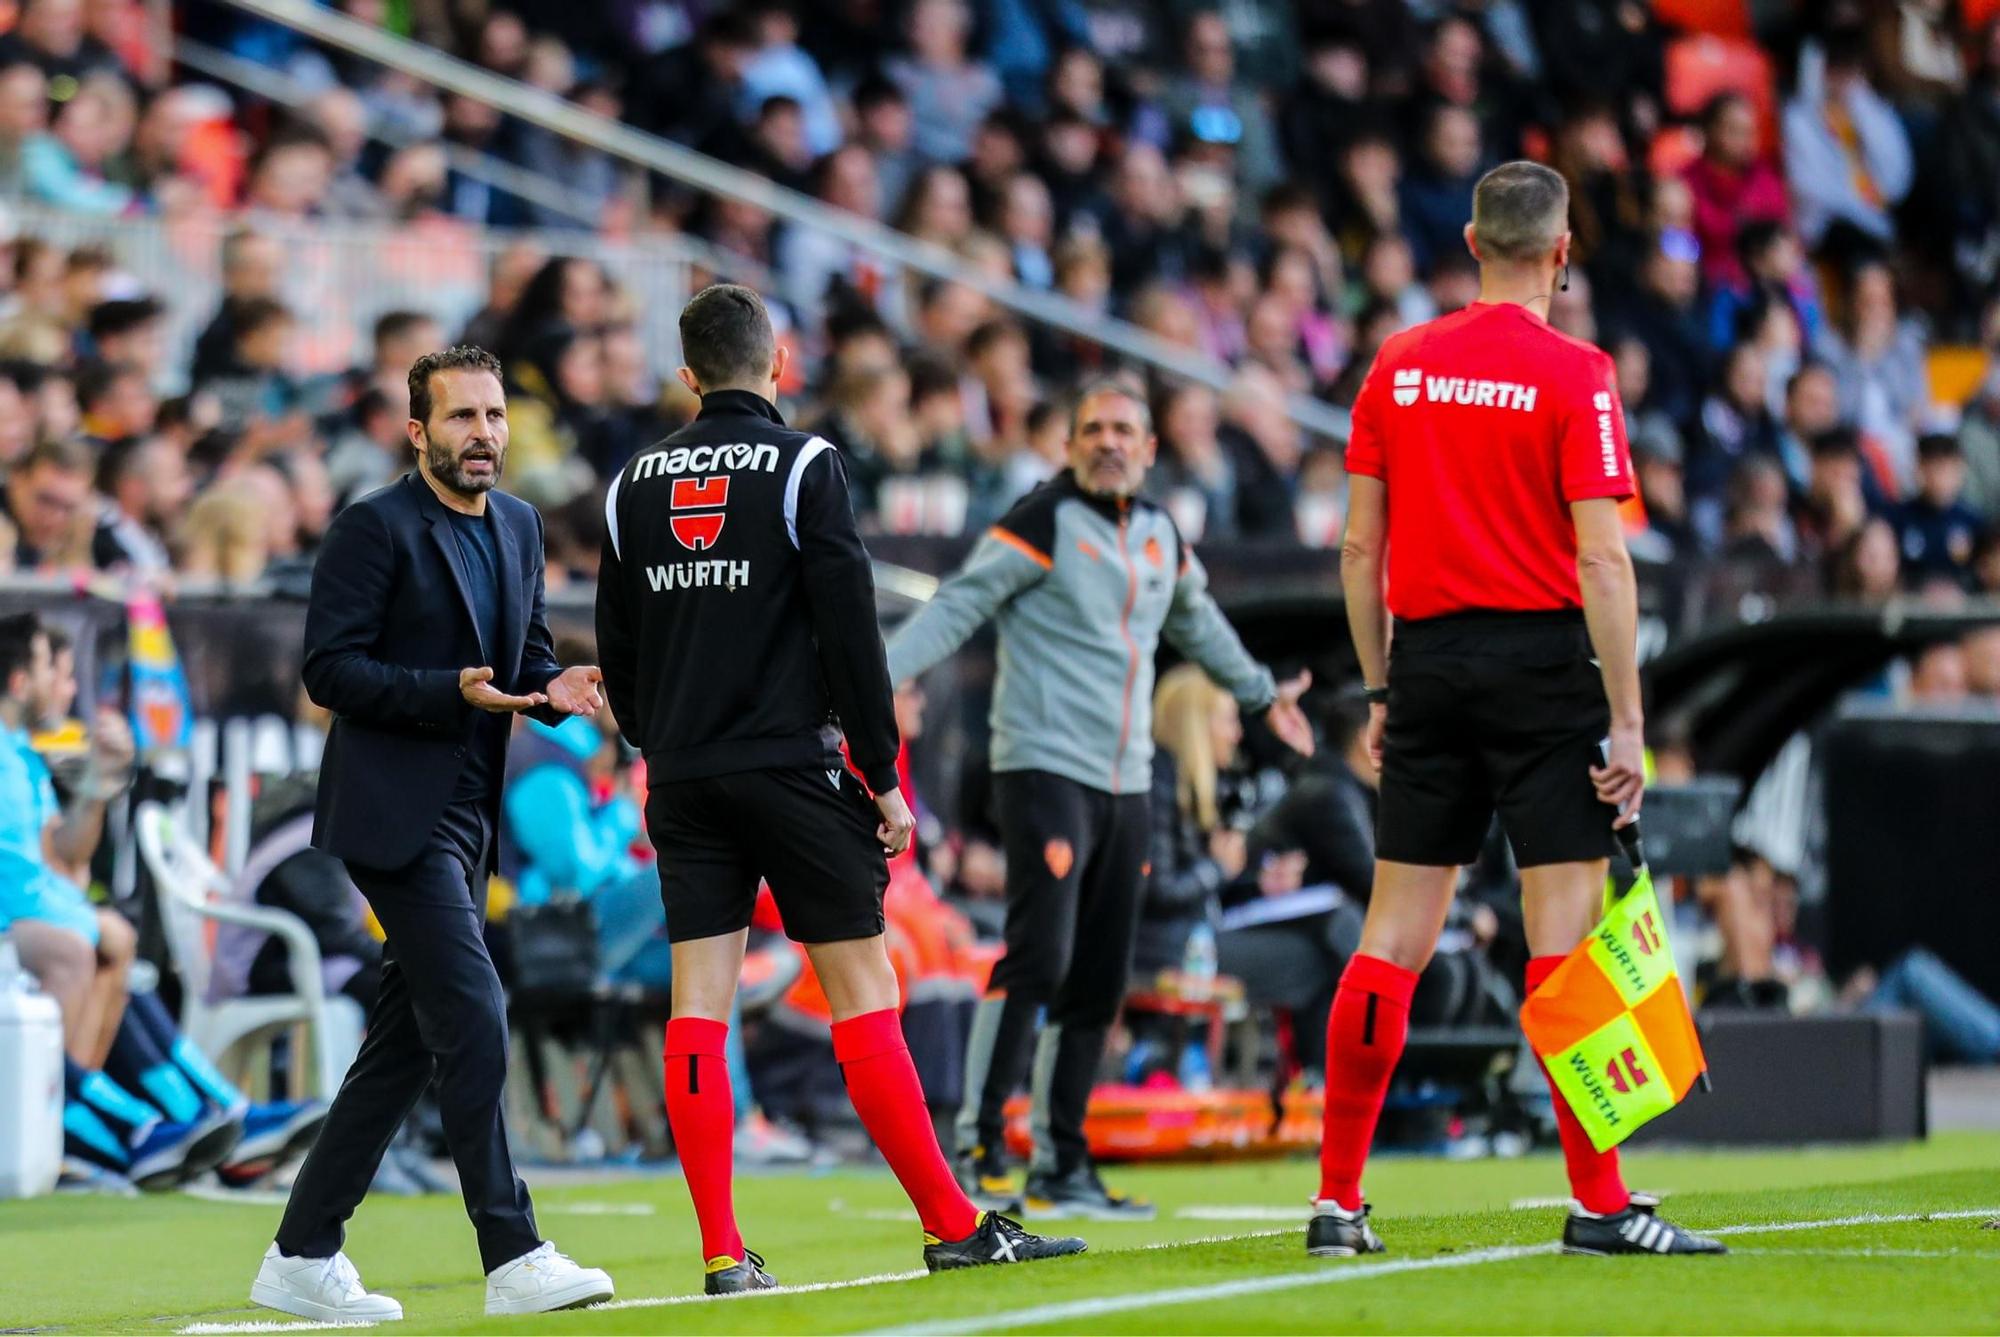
1076	859
441	1010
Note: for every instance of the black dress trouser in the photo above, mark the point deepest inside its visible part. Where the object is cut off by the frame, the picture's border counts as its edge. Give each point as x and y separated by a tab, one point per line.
441	1010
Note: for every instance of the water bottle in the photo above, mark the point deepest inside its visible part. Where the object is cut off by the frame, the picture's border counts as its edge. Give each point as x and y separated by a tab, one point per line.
31	1082
1198	964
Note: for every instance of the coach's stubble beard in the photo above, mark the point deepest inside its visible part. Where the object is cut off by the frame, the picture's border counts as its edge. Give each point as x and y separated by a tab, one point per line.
451	468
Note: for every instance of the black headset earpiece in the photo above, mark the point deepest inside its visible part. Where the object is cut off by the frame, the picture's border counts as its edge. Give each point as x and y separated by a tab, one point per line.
1564	285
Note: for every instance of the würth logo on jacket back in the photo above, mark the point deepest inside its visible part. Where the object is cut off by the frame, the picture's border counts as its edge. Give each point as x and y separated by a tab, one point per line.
697	513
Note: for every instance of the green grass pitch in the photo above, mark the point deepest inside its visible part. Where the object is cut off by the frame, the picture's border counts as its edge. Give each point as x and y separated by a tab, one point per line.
1883	1239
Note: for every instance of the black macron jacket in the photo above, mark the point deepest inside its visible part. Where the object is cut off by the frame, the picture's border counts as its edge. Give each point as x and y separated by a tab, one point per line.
736	607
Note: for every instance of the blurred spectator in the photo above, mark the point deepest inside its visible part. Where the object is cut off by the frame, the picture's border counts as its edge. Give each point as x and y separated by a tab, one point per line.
1936	529
1208	104
690	93
1877	360
227	534
1194	478
1662	314
47	500
949	92
1834	507
52	36
1847	155
251	265
778	67
1735	428
1757	526
1979	444
341	118
1868	569
1937	676
885	127
128	332
1734	184
1982	663
146	489
1329	106
64	166
1436	193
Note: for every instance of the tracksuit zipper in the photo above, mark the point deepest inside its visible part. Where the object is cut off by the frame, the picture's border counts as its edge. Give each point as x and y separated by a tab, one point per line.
1131	646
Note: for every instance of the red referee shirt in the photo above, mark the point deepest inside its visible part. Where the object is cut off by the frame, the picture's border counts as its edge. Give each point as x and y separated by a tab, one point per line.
1484	425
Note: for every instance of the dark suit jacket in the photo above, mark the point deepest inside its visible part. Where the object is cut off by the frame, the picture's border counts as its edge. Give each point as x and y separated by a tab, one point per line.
388	629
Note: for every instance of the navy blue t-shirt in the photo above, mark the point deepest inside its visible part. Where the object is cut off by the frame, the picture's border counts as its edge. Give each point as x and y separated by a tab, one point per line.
481	556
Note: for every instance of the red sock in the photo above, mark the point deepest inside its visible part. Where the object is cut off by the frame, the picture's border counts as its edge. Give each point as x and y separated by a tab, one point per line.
882	1083
1593	1175
1364	1038
702	1114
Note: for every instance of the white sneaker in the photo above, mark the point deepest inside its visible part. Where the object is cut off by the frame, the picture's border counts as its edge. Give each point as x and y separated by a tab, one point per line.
542	1280
327	1289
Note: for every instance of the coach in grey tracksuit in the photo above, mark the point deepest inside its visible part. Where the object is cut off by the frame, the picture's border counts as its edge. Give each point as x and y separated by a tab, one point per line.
1081	578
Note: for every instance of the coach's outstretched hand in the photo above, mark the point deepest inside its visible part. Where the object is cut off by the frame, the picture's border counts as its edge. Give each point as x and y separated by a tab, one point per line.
476	686
898	822
574	691
1287	720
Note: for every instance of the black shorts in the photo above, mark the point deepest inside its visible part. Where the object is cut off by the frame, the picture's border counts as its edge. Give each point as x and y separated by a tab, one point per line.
809	833
1493	710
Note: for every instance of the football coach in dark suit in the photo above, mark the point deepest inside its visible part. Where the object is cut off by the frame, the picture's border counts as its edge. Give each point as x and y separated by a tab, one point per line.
424	635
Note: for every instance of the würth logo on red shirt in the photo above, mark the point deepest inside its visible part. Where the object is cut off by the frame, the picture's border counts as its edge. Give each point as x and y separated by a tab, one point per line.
697	510
1409	381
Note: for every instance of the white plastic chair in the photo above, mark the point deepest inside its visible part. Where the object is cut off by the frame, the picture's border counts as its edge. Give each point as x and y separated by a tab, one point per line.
193	890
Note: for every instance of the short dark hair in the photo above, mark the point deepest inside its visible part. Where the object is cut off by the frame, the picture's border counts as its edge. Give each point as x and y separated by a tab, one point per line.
395	324
1938	446
97	378
17	644
1518	210
931	375
726	336
63	454
1124	387
1836	443
459	357
252	314
877	90
996	331
108	320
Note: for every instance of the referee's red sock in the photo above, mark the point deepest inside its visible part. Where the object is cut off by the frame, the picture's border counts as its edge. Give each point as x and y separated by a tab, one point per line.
882	1082
1594	1176
1364	1038
702	1114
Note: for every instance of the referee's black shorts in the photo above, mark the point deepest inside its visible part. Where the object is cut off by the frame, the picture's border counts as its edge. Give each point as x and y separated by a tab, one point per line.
1493	710
809	832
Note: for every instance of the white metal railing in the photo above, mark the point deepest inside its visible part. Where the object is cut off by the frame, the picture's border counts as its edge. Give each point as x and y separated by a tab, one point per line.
715	177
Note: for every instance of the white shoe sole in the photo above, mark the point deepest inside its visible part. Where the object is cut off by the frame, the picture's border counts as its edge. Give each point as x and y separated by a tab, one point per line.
276	1297
582	1291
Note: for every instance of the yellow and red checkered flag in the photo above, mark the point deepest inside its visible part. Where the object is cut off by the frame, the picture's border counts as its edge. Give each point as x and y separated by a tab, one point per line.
1612	1022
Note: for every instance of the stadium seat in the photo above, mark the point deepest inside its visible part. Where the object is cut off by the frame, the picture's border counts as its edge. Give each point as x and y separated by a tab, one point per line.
1700	66
1724	18
193	896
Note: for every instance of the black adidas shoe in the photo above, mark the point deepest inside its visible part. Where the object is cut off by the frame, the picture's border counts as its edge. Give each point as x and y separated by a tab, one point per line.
733	1277
988	1181
998	1240
1637	1229
1336	1232
1079	1193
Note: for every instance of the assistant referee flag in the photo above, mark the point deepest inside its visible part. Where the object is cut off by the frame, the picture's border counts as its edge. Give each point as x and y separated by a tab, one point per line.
1612	1022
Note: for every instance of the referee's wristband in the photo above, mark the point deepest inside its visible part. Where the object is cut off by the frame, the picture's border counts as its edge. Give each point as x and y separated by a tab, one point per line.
1375	696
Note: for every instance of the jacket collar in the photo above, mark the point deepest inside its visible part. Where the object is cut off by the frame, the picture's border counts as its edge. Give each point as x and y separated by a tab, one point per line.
720	403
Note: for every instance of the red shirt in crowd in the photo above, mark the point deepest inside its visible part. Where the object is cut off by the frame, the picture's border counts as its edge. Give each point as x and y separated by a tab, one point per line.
1484	426
1724	200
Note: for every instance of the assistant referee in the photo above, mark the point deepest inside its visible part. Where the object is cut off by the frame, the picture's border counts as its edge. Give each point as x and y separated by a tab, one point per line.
1487	460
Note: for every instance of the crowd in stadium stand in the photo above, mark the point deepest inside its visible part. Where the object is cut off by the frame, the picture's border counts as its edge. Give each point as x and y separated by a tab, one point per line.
1776	253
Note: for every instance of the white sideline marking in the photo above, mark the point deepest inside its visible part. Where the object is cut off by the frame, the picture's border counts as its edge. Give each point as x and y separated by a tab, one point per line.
596	1209
1536	1204
1247	1212
266	1326
241	1197
1328	1276
656	1301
